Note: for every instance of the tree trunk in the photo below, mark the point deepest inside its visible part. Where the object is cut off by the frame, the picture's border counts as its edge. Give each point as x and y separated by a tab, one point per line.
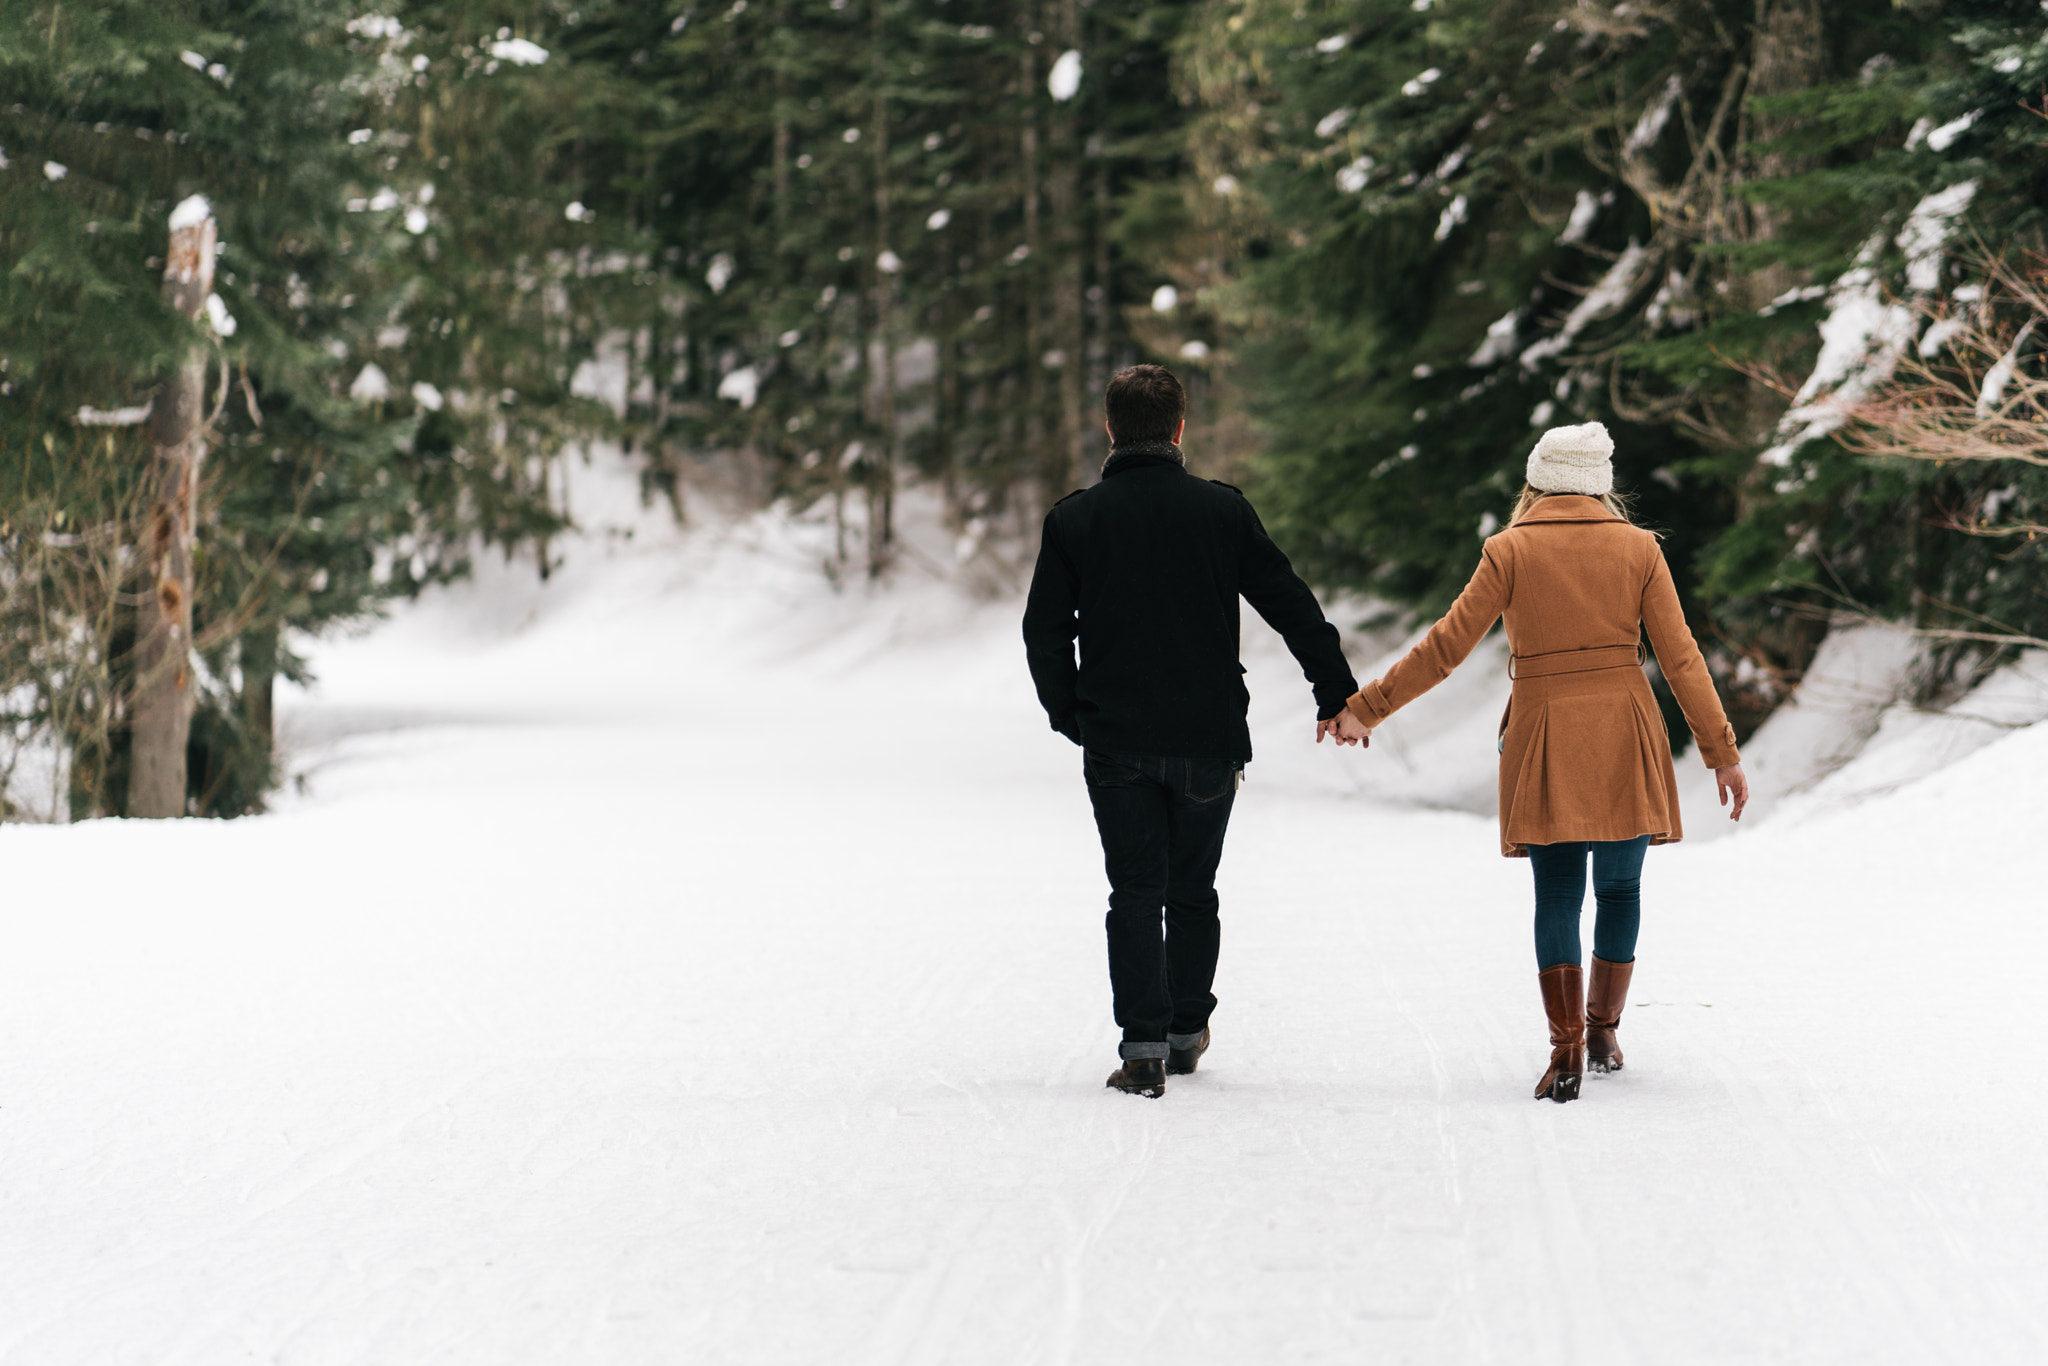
259	691
780	150
1098	355
1063	194
1788	52
882	484
160	703
1034	306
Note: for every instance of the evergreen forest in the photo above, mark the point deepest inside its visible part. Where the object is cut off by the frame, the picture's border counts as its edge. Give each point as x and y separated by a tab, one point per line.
305	305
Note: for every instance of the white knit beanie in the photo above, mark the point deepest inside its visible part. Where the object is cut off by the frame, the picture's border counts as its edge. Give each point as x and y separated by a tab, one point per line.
1573	460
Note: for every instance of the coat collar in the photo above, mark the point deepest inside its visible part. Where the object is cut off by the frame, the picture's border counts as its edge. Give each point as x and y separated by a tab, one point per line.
1136	455
1568	507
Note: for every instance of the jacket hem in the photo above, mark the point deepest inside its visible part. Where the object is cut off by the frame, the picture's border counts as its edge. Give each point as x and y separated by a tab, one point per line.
1520	848
1163	748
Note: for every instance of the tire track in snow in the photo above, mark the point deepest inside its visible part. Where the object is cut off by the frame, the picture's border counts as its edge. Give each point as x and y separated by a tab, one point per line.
1470	1319
1084	1234
327	1165
1569	1329
925	1316
1858	1235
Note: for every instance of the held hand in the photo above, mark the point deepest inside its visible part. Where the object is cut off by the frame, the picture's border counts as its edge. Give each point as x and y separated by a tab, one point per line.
1346	729
1729	783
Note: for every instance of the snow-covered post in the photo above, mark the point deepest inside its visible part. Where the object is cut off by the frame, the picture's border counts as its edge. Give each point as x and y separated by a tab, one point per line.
160	697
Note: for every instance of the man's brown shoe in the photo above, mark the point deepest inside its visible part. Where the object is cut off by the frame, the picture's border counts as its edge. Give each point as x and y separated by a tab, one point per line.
1181	1061
1140	1077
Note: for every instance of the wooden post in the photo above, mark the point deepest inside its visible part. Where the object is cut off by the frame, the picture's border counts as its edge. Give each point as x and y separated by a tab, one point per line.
160	700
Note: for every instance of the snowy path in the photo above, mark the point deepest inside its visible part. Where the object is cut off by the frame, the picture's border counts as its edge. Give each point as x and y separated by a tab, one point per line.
674	999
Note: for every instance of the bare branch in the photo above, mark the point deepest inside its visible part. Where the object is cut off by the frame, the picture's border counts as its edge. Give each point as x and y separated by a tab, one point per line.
1967	393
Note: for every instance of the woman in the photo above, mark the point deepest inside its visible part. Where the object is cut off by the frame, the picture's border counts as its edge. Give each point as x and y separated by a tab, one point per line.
1585	766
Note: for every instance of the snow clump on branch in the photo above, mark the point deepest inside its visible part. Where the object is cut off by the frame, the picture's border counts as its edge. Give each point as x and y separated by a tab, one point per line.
742	386
2001	374
1452	216
1499	343
1585	209
217	314
89	416
1658	113
1351	179
519	52
1863	336
1064	80
371	384
1609	294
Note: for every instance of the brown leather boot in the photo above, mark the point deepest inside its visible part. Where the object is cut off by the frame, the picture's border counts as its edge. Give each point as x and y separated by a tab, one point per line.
1606	994
1564	1002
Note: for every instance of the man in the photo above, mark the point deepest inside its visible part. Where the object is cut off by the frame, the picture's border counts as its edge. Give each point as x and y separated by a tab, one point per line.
1146	568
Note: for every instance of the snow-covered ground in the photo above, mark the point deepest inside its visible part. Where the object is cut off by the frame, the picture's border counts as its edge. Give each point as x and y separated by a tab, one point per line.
684	963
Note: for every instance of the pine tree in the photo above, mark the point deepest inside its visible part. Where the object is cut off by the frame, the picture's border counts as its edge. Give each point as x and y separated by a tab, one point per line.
318	495
1470	222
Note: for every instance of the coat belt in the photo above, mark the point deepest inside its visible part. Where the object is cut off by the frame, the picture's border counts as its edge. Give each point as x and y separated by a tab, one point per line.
1575	661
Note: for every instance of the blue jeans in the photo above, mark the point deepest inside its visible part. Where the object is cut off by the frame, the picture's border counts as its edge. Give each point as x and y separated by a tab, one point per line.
1162	823
1560	871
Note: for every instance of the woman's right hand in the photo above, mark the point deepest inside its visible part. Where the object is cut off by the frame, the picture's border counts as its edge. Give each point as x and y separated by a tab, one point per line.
1729	782
1345	729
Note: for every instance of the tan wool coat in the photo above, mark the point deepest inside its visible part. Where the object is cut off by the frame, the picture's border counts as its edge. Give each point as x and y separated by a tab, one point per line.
1583	751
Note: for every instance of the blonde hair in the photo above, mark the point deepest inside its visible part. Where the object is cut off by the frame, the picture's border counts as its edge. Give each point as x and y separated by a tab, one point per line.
1530	496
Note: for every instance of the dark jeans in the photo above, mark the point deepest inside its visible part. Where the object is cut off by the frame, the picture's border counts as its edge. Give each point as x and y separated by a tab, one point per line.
1162	824
1561	894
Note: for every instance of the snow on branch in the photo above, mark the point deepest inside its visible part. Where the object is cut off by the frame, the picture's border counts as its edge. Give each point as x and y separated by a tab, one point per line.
1603	298
519	52
1655	115
89	416
1866	333
1971	391
1979	395
1063	82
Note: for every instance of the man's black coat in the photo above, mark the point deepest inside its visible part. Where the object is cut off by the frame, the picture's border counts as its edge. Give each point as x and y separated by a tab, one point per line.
1146	568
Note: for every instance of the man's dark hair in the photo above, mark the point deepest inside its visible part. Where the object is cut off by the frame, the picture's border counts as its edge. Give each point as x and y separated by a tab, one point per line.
1144	403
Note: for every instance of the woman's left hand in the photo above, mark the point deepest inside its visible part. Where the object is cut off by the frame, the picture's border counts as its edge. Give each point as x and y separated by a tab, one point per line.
1730	783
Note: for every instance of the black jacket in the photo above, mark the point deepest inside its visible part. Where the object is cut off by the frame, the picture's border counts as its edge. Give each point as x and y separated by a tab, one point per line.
1146	568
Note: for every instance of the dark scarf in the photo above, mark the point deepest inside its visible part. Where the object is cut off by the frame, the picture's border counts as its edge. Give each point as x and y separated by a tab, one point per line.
1169	449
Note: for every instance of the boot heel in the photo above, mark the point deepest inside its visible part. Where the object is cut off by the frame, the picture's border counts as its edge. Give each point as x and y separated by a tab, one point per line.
1565	1088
